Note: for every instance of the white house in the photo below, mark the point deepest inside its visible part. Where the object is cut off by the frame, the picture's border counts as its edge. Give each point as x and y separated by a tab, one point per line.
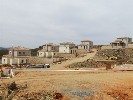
17	55
67	47
86	45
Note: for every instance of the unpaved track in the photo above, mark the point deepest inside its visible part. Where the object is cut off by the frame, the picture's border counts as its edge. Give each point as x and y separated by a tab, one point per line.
75	60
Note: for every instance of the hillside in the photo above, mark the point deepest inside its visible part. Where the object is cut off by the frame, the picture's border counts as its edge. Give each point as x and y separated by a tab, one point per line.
74	60
3	52
2	48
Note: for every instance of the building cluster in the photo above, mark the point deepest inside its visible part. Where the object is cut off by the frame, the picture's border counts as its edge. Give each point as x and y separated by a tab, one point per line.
21	55
51	52
123	42
17	55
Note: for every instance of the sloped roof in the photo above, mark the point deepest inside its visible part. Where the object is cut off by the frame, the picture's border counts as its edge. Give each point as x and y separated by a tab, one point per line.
19	48
49	44
123	38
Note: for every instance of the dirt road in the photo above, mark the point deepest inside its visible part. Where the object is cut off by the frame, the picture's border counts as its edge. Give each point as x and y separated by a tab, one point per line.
68	62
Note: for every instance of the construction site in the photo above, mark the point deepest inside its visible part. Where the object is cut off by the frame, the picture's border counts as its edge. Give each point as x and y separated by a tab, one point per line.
99	75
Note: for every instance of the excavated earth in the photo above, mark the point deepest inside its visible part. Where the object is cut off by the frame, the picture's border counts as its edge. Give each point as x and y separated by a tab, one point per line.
94	85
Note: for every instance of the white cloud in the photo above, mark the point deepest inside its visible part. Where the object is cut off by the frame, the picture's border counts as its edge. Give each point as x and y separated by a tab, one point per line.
32	22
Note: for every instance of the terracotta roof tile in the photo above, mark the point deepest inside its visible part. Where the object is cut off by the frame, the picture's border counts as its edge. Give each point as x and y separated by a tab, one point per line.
19	48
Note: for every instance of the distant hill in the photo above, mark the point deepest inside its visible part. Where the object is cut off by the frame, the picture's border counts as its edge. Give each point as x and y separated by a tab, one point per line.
2	48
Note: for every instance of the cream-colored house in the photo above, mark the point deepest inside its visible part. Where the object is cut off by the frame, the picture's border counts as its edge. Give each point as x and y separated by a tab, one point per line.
67	47
49	50
51	47
47	54
86	45
17	55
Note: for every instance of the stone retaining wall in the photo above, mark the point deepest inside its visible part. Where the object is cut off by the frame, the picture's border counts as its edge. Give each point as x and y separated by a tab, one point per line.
38	60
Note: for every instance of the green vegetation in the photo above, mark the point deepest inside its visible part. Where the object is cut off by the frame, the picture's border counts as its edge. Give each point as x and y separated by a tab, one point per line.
3	52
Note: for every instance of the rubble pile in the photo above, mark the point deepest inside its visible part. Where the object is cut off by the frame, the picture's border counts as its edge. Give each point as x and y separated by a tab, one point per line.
87	64
108	56
120	54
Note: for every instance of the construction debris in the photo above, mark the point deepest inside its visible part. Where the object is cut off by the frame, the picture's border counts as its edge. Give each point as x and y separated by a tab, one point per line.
87	64
12	86
114	54
106	58
19	92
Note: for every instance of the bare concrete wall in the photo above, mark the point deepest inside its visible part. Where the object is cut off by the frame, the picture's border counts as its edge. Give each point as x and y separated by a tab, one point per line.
81	51
38	60
130	45
116	47
67	55
110	47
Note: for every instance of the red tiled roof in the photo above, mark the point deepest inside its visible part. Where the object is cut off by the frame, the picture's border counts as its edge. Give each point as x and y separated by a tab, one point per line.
50	44
19	48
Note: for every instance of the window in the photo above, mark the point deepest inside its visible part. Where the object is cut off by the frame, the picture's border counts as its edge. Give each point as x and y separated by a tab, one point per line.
19	52
22	61
71	51
23	52
10	52
40	53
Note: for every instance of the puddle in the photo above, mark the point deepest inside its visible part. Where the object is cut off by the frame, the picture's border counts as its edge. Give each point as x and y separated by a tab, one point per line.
79	92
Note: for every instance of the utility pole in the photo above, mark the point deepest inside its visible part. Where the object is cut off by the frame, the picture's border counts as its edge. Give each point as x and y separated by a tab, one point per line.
46	46
12	51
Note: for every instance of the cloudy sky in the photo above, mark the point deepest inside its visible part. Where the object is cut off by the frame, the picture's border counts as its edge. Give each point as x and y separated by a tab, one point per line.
31	23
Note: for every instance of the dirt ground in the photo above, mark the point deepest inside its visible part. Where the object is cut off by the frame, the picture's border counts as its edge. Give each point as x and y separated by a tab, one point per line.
98	85
74	60
71	85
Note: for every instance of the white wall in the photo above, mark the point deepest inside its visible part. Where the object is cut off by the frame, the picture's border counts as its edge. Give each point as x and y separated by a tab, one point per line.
81	47
5	60
13	60
64	49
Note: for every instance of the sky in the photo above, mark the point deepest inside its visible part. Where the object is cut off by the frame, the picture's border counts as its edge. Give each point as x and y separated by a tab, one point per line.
31	23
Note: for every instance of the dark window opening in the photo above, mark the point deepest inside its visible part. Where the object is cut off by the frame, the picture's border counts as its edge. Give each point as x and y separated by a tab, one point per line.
22	61
71	51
